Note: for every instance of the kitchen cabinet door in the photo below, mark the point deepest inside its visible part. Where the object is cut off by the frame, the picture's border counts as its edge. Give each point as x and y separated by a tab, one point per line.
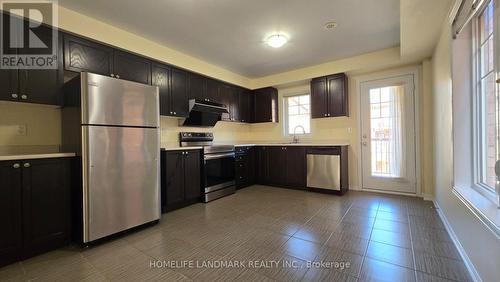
43	86
246	106
10	212
46	204
161	78
192	175
130	67
83	55
9	89
319	98
277	169
337	95
295	167
234	104
261	165
197	87
213	90
266	105
179	93
173	178
225	94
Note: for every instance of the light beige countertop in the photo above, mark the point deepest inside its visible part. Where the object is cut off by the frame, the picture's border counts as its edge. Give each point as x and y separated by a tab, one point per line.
181	148
294	144
35	156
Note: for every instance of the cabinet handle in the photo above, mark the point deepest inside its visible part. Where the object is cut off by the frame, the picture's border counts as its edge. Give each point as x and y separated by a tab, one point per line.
14	95
26	165
187	153
112	75
175	113
24	97
16	165
117	76
171	113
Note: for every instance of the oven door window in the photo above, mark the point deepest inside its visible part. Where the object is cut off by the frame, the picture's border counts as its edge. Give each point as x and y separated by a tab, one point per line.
219	171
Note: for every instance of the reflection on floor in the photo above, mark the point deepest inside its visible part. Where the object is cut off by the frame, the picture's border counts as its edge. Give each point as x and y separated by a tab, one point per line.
266	234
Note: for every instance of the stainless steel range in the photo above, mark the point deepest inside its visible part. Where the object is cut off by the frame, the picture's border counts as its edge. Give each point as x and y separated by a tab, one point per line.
218	170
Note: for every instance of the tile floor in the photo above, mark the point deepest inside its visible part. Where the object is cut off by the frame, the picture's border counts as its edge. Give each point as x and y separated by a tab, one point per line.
275	234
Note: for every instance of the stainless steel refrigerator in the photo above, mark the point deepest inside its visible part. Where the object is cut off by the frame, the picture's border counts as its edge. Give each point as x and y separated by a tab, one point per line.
113	125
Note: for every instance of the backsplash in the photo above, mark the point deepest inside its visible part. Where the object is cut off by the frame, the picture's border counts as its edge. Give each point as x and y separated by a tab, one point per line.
224	132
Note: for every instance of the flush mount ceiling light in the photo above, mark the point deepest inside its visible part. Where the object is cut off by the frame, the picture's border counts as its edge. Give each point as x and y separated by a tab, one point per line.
276	40
330	25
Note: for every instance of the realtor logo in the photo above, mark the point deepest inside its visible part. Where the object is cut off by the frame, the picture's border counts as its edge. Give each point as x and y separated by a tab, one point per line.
28	35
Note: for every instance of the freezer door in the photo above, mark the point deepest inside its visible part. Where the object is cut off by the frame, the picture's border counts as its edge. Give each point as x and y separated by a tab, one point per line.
111	101
121	179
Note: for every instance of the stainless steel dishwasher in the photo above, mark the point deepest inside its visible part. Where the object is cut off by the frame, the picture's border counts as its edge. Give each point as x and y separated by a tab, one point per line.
323	170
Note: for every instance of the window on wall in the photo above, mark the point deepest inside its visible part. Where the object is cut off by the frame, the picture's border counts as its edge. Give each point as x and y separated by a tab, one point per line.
487	99
297	114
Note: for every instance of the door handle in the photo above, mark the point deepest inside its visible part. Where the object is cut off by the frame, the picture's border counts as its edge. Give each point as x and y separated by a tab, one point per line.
364	143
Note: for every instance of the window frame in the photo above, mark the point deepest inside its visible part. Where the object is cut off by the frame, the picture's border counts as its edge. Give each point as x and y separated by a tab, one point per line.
478	107
285	113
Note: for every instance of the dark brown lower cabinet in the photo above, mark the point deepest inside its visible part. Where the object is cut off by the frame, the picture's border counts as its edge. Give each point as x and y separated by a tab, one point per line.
245	164
180	178
35	207
261	165
287	166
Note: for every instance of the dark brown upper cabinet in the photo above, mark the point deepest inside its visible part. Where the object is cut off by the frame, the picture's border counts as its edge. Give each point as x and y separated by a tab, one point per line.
213	90
266	105
226	98
41	86
246	106
329	96
130	67
179	93
197	86
84	55
173	90
161	78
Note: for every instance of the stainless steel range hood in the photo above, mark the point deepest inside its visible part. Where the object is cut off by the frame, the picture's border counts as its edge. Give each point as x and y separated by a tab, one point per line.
204	113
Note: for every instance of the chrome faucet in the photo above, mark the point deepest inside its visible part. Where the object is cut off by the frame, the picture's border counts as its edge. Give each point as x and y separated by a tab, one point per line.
295	137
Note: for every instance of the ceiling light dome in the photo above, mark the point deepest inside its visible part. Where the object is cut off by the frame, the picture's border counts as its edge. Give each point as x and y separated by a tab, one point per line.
276	40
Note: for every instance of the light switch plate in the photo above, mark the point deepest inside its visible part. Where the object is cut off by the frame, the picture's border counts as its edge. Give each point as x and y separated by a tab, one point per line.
21	130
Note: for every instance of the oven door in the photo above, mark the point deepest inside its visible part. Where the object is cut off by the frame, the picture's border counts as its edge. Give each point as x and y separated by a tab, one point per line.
219	171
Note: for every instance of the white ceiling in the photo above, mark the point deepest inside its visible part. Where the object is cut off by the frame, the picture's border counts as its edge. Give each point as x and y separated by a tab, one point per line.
230	33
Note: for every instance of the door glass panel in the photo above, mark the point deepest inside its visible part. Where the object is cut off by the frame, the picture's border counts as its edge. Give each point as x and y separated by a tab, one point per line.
386	131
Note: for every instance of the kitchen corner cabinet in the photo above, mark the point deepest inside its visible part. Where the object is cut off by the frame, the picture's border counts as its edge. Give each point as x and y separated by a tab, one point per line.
180	178
41	86
35	207
266	105
329	96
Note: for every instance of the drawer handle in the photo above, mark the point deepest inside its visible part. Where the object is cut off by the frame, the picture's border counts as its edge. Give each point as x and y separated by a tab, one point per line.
24	97
117	76
16	165
14	95
27	165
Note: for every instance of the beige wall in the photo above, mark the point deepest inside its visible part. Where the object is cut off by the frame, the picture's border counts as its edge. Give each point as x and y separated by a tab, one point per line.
224	132
43	124
481	245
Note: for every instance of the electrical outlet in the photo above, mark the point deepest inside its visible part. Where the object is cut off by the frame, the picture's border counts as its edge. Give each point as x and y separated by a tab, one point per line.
21	130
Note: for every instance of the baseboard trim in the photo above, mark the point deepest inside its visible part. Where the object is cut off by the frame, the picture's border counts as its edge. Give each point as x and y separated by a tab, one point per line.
428	197
468	263
390	192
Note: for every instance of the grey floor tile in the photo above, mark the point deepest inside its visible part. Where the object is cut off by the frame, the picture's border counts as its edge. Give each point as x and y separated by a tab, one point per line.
348	242
391	254
441	267
344	262
390	225
392	238
375	270
424	277
253	276
313	234
302	249
436	248
401	217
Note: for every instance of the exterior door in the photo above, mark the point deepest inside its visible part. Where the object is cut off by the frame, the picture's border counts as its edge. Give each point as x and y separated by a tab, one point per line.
388	134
